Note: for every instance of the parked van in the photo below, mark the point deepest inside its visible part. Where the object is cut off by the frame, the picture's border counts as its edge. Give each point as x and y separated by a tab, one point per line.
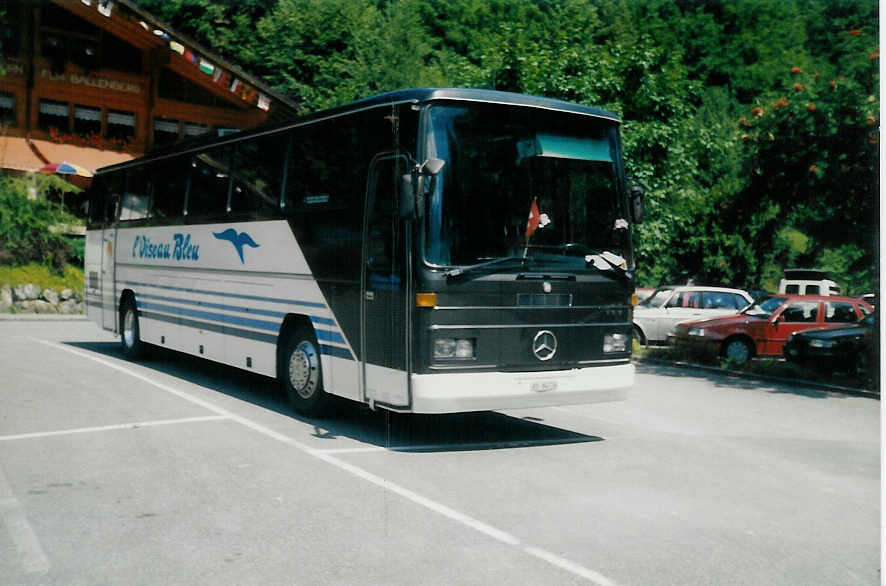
807	282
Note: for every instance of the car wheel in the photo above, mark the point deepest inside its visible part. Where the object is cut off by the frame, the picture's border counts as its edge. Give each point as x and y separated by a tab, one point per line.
301	374
130	335
638	335
738	350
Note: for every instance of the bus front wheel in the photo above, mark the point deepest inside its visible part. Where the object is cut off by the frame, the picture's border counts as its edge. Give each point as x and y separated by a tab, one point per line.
130	335
301	375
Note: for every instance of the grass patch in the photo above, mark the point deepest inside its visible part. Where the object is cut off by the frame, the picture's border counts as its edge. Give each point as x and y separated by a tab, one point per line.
45	277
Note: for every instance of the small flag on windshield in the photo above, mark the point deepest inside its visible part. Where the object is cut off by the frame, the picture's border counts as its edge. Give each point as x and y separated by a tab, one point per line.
534	218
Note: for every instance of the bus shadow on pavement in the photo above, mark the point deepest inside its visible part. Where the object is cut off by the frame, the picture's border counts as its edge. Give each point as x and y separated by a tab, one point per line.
482	430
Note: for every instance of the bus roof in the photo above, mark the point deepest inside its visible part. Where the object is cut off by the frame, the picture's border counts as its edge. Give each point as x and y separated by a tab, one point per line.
416	96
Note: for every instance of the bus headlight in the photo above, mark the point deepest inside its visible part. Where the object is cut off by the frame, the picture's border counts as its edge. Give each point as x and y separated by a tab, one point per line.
454	348
615	343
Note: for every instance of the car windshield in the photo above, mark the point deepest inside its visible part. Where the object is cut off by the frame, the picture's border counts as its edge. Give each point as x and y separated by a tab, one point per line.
657	299
524	183
764	306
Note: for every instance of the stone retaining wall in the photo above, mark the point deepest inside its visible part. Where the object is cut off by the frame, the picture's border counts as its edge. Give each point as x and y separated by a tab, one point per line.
30	298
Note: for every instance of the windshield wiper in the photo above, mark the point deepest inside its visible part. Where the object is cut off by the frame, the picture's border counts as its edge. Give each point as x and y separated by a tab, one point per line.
462	270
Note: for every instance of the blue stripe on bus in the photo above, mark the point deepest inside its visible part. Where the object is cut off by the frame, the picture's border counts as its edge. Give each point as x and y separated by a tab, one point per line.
324	335
266	312
231	319
336	351
232	295
229	331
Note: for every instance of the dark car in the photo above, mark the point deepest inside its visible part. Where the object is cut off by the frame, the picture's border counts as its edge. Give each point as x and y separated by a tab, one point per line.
849	349
762	328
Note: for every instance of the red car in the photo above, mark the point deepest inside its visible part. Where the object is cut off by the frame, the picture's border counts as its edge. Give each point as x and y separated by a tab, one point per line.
762	328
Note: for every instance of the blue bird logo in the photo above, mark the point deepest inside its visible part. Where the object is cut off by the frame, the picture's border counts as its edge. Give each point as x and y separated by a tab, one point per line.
238	239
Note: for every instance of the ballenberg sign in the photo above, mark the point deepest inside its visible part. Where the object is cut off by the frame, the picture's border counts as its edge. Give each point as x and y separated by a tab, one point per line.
98	82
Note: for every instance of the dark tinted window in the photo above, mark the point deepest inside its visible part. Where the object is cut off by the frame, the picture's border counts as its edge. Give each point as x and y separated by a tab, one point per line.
792	289
839	312
326	184
170	179
801	312
718	300
208	194
136	201
257	176
97	192
813	289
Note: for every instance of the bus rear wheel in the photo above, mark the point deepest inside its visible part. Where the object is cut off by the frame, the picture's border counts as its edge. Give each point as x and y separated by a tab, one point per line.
130	335
301	374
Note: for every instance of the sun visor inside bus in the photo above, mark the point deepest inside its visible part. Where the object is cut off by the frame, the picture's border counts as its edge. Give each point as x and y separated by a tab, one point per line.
565	147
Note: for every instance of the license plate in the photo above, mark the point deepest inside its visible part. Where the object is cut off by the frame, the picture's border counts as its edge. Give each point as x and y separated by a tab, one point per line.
543	386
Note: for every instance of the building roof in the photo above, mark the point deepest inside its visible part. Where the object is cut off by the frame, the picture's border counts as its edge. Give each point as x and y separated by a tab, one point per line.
17	155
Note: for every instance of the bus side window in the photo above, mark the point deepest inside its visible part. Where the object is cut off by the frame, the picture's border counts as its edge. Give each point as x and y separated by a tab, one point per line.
135	204
257	172
208	193
115	186
97	192
170	180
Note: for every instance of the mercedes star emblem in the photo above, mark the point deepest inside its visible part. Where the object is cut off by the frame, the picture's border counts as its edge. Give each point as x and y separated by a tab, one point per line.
544	345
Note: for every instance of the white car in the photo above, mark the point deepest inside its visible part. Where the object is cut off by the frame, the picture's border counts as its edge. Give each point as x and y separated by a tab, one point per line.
657	315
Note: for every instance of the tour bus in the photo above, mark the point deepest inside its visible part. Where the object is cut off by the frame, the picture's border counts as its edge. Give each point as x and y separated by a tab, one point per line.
424	250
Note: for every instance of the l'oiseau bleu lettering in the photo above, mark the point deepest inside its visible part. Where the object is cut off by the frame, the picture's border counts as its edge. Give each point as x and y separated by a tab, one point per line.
180	249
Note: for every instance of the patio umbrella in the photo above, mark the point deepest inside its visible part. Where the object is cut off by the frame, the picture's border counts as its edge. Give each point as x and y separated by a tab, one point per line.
65	168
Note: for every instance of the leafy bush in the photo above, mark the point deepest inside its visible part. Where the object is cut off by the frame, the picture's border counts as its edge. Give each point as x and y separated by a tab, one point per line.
25	234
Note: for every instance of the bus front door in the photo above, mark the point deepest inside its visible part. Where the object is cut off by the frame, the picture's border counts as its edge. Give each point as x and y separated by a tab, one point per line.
383	311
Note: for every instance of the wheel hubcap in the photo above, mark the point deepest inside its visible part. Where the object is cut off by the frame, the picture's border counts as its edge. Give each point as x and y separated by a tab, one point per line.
129	327
304	371
737	351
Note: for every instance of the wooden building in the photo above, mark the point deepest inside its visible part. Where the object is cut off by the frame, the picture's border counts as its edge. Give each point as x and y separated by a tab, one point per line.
110	81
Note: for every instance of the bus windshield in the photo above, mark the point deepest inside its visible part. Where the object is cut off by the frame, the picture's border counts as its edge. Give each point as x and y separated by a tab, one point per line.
523	183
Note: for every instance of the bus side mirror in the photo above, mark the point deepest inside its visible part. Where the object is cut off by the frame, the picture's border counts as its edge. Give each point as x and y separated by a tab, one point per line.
638	196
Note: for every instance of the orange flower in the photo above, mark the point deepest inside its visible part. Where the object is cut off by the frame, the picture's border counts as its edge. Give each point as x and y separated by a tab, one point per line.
743	121
796	70
833	84
757	111
813	169
870	121
781	103
798	87
810	107
875	55
855	32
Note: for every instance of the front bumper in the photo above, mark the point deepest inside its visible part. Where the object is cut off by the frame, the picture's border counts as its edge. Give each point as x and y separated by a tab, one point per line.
484	391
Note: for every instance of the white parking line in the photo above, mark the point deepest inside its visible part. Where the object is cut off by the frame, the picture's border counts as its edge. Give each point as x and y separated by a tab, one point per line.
30	552
464	519
42	434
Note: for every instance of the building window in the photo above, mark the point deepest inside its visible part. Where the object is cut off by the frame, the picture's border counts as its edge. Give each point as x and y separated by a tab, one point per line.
165	131
121	125
87	121
193	129
10	26
53	114
7	109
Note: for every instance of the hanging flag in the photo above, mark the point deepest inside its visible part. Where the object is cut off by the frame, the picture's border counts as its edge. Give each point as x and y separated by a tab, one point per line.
223	79
235	85
105	7
206	66
144	25
216	75
177	47
161	34
263	102
534	218
189	55
87	2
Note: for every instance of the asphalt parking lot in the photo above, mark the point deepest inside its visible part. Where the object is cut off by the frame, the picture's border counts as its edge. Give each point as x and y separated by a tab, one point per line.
177	470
